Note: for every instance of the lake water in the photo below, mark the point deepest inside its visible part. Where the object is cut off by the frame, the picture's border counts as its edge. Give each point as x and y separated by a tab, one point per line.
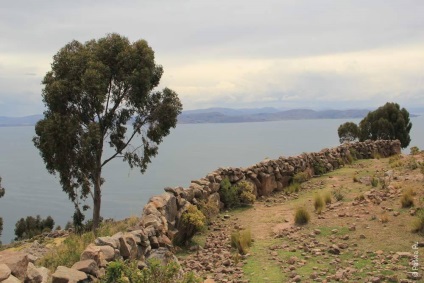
189	152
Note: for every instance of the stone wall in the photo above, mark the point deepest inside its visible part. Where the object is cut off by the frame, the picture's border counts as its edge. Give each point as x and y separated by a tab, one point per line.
161	216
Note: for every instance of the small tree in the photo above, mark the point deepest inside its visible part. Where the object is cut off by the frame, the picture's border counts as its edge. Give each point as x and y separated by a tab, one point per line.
96	94
32	226
388	122
348	132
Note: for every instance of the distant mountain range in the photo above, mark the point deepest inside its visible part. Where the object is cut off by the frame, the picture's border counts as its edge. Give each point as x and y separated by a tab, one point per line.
229	115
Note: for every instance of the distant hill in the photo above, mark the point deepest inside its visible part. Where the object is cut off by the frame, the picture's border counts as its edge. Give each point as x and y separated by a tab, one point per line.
229	115
226	115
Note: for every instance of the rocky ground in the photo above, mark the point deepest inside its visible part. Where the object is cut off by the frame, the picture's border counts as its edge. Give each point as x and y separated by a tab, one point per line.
366	237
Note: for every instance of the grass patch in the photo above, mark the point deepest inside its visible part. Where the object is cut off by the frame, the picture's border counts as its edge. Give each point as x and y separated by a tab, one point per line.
318	203
327	198
242	240
338	195
407	199
301	216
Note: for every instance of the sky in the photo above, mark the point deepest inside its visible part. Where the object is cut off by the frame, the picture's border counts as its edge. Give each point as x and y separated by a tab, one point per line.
327	54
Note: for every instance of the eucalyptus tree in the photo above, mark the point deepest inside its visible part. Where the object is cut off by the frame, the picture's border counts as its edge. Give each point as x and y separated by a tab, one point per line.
102	93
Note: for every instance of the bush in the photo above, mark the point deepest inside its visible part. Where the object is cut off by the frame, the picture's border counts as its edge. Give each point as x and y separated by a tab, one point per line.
374	182
236	195
319	168
318	203
415	150
30	227
355	179
155	272
338	195
353	154
412	164
192	221
209	210
241	240
301	216
300	177
327	198
407	199
293	188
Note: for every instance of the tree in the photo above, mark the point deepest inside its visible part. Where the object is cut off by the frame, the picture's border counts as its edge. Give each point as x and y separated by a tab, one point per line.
388	122
348	132
2	192
102	93
30	227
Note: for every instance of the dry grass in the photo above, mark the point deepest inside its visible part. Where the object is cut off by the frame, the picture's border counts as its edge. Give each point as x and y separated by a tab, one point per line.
241	240
301	216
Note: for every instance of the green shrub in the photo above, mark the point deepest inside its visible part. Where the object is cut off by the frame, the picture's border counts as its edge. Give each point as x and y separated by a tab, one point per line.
415	150
192	221
301	216
300	177
360	198
241	240
236	195
412	164
374	182
155	272
209	209
407	199
319	168
338	195
32	226
318	203
293	188
355	178
327	198
353	154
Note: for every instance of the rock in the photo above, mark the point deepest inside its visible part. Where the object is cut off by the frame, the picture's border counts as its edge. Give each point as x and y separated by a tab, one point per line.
88	266
95	253
109	254
107	241
68	275
11	279
334	249
16	261
37	275
4	271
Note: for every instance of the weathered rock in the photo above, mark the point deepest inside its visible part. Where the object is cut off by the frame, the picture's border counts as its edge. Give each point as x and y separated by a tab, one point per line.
37	275
4	271
95	253
11	279
68	275
88	266
16	261
107	241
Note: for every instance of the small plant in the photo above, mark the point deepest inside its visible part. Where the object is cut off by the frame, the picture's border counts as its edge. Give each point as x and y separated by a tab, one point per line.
327	198
415	150
318	203
360	198
301	216
246	194
155	272
384	218
374	182
412	164
241	240
353	154
418	223
355	178
293	188
192	221
209	209
319	168
338	195
407	199
236	195
300	177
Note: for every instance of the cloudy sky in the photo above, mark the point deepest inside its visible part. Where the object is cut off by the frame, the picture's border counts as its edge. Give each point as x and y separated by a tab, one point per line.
233	53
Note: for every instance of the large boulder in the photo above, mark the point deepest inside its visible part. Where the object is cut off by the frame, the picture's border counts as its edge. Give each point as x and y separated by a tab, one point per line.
16	261
12	279
4	272
95	253
37	275
88	266
68	275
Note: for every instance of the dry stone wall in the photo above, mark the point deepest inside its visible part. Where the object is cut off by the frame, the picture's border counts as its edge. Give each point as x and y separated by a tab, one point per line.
161	217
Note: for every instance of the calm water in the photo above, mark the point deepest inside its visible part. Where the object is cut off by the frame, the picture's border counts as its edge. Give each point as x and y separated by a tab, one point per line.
189	152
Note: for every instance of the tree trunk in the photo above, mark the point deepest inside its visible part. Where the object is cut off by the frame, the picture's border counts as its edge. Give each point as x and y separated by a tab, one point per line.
97	200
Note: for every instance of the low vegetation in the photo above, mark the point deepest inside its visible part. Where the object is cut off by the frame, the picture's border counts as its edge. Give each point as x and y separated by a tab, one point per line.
338	194
301	216
241	240
192	221
319	203
32	226
155	272
407	199
236	195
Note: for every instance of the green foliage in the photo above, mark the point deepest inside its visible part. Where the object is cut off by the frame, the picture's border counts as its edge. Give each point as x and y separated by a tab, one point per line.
319	203
293	188
241	240
388	122
353	154
412	163
192	221
301	216
155	272
338	194
32	226
407	199
236	195
300	177
374	182
415	150
348	132
102	92
319	168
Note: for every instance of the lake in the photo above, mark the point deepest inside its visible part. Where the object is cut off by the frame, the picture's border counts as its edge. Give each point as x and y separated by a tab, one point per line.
189	152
